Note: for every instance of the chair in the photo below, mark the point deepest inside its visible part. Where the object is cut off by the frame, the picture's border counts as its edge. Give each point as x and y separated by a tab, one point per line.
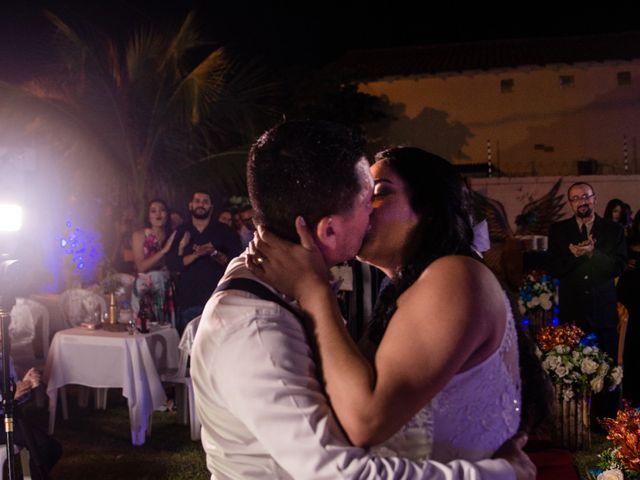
185	396
80	305
29	328
29	333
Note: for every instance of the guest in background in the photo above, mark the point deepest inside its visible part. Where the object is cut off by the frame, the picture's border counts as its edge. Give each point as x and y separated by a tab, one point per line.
617	211
176	220
586	253
44	450
247	227
199	259
628	289
226	217
153	289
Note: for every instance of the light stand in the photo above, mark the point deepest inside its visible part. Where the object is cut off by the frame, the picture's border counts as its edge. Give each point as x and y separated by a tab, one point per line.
10	222
6	304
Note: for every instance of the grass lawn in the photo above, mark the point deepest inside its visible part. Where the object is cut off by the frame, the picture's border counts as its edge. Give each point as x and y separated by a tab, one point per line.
97	445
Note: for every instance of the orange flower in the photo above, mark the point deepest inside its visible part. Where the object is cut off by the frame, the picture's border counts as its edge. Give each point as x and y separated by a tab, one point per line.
624	432
567	335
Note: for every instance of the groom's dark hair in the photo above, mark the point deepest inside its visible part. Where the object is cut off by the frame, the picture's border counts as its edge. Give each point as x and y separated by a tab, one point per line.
303	168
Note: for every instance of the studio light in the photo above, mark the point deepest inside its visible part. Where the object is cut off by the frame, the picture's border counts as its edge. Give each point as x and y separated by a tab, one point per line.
10	217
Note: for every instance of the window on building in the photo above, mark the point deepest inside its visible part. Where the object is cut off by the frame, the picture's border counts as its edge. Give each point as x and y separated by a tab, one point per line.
506	85
624	78
567	81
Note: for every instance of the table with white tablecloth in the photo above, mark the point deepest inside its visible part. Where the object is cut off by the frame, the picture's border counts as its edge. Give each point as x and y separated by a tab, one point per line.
102	359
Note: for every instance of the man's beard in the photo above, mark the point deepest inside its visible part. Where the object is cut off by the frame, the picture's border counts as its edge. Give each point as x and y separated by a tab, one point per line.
584	211
195	213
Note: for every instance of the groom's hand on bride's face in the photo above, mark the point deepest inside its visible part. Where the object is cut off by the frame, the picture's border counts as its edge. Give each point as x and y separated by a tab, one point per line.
511	451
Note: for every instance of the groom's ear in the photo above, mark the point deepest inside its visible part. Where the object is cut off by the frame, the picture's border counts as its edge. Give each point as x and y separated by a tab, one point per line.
326	234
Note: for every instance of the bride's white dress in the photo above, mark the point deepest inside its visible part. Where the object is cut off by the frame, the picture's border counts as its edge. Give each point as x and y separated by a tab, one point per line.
475	413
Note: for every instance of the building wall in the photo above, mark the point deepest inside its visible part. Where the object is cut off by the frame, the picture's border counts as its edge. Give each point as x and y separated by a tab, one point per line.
538	128
516	192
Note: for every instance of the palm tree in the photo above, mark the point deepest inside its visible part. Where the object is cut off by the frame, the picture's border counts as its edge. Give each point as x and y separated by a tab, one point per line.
155	107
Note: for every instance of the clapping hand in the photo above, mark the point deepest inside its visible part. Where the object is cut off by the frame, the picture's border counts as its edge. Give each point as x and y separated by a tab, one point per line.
583	248
30	381
184	241
205	249
167	245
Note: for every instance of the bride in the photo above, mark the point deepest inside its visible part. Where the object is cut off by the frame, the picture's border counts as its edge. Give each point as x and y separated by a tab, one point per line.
444	379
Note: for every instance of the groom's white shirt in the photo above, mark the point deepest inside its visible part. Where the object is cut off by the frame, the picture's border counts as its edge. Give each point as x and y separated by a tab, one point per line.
265	415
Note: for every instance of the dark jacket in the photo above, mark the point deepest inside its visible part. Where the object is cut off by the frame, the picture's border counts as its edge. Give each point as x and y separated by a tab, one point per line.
587	290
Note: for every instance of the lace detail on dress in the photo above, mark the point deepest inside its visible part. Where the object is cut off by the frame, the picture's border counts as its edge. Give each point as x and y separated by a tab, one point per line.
475	412
414	440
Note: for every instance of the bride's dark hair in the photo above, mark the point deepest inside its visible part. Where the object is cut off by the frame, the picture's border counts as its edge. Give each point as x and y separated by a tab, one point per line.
439	197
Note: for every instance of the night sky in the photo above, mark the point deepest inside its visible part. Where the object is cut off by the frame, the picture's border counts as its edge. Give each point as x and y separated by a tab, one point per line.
296	32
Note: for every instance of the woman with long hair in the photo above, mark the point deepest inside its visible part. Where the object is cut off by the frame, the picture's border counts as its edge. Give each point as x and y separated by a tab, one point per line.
619	212
153	290
444	380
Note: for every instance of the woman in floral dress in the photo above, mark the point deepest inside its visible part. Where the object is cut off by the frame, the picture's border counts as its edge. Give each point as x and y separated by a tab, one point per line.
153	290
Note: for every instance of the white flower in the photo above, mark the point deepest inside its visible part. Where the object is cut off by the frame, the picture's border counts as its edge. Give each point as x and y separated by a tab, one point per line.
561	371
567	394
587	350
575	354
546	305
545	297
562	349
613	474
604	368
597	384
588	366
554	361
534	302
616	376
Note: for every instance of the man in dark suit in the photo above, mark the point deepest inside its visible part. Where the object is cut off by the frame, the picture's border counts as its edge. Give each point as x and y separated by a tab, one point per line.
587	252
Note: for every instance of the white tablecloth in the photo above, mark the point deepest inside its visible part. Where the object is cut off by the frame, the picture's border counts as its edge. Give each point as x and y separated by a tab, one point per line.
101	359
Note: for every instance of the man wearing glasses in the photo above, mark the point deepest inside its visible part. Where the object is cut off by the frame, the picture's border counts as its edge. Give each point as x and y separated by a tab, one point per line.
587	252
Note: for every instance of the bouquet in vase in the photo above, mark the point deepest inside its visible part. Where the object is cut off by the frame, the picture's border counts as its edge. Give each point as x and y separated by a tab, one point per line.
537	294
576	367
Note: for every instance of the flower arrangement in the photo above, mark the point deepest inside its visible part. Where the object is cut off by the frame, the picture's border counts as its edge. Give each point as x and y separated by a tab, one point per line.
538	293
575	367
622	461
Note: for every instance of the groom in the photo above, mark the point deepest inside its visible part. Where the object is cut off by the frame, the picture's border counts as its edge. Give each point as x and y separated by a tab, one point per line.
264	413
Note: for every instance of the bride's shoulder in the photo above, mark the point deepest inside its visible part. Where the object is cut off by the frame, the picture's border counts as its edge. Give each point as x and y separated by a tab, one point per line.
457	268
460	277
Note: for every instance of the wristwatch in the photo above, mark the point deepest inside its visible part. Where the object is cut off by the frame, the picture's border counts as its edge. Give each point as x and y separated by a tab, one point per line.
214	253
